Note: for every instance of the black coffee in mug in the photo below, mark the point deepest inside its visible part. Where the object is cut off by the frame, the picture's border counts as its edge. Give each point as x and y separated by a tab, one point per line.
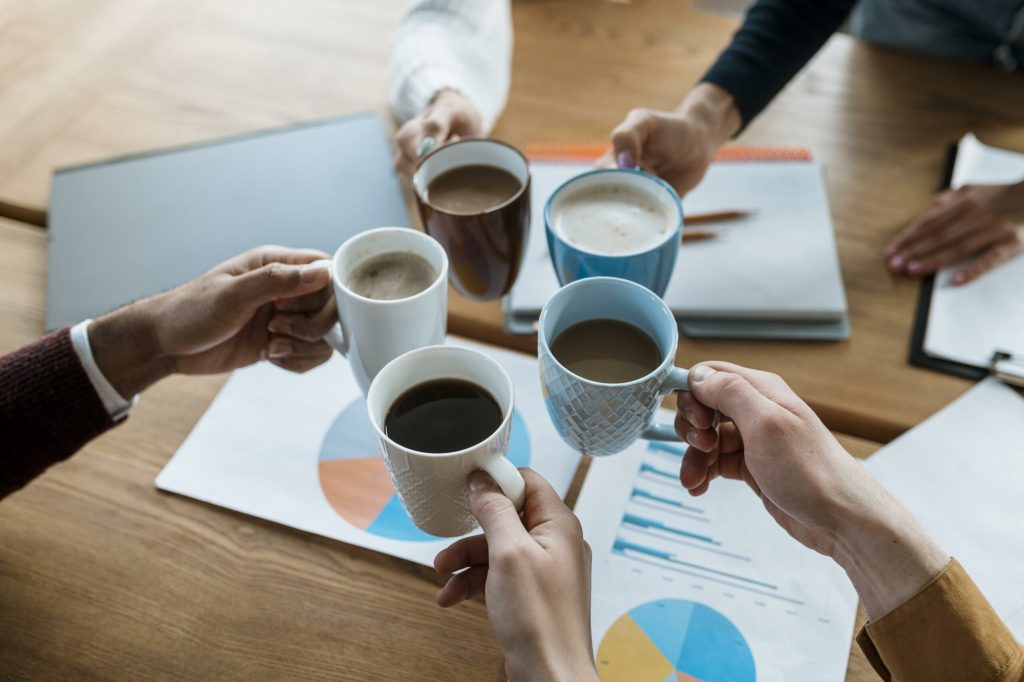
443	415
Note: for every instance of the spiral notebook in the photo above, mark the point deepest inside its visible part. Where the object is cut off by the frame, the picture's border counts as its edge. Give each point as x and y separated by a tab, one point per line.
774	274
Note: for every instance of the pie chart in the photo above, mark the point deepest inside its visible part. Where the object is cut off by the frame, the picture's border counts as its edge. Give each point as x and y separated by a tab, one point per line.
355	481
674	640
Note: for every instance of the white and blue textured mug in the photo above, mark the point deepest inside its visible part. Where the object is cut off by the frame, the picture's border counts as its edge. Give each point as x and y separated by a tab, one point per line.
651	267
597	418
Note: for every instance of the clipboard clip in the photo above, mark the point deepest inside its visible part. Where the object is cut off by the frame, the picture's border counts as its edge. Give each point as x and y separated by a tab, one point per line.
1007	367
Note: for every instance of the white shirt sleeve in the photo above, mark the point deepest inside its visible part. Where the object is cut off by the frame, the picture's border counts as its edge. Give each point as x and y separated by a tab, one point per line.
116	406
463	45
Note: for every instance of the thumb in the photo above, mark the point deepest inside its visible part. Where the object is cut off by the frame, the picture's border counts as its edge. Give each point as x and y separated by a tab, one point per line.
497	515
437	125
276	280
628	139
731	393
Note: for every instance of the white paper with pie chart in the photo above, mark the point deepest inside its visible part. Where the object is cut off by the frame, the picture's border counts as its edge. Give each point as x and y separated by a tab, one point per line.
298	449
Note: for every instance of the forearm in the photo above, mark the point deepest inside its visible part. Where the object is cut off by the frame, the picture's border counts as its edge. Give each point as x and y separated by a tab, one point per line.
884	551
462	45
776	40
48	409
126	350
715	109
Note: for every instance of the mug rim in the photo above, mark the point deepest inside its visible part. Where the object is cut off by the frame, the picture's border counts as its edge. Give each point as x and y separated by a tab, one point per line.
631	254
460	214
668	361
442	275
506	418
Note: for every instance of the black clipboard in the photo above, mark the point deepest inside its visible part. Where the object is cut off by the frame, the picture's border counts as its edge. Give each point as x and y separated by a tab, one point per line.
918	357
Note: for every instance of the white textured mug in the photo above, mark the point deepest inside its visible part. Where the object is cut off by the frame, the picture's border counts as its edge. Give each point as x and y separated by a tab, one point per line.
597	418
371	333
432	486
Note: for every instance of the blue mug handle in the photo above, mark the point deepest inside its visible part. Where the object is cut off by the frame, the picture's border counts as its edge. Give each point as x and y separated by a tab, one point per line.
678	379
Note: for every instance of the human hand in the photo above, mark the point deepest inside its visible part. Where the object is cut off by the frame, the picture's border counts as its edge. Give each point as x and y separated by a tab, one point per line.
678	146
449	117
986	221
810	485
270	302
534	574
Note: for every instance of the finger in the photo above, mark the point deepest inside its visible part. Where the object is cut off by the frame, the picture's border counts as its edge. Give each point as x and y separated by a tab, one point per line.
730	391
462	586
696	467
699	416
462	554
923	229
544	506
497	515
952	253
281	347
300	365
628	138
993	257
307	327
305	304
272	281
267	254
437	124
607	160
966	227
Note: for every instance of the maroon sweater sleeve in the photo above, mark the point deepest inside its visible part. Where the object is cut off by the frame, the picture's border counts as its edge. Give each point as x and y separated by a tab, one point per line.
48	409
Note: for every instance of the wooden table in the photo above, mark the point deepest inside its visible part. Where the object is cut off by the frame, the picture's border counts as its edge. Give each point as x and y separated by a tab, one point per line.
102	576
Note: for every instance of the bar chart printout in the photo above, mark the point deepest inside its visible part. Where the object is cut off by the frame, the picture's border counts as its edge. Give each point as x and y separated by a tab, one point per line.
704	588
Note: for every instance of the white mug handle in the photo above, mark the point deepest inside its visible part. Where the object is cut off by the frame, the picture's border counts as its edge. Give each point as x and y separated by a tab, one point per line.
678	379
508	478
336	339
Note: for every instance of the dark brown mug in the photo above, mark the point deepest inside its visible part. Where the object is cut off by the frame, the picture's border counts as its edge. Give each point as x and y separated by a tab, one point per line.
485	248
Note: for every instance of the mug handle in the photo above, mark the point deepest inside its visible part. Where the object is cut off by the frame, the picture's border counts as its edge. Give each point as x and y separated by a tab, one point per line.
678	379
336	339
508	478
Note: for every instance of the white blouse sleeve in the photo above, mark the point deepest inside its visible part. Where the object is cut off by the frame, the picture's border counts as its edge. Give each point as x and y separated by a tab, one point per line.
463	45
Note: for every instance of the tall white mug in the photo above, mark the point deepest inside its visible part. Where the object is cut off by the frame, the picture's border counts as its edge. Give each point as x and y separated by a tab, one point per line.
432	486
371	333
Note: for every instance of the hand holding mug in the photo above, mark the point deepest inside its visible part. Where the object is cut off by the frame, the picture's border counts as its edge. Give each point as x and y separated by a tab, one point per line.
534	573
770	439
450	116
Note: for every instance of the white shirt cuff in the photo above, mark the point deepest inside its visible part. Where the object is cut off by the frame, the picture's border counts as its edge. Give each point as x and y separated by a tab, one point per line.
116	406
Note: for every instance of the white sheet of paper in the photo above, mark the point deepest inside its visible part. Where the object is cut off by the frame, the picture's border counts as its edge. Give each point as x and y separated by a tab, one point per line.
298	449
710	586
961	473
780	263
967	323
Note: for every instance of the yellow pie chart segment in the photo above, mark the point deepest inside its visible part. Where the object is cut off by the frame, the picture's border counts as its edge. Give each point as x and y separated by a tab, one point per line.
627	654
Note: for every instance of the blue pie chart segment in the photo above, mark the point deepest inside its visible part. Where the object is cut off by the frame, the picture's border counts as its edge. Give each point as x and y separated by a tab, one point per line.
675	639
355	481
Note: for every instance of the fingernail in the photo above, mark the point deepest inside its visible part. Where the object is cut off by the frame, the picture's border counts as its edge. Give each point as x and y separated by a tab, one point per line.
688	415
889	251
914	267
958	278
311	272
279	326
700	373
693	437
896	262
625	160
279	348
479	481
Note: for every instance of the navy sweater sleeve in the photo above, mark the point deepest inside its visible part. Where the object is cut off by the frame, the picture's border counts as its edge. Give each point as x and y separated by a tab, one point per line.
777	38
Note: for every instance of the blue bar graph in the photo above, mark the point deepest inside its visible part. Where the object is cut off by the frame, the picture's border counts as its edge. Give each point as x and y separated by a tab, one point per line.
647	495
641	522
622	546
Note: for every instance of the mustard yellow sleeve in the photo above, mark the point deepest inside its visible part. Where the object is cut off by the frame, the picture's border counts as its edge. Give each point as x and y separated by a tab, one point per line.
947	631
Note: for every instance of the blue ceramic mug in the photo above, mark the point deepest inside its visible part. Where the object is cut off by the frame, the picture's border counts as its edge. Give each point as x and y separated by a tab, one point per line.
650	265
599	418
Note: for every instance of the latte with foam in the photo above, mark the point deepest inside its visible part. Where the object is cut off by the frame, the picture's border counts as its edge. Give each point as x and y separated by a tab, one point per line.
612	220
